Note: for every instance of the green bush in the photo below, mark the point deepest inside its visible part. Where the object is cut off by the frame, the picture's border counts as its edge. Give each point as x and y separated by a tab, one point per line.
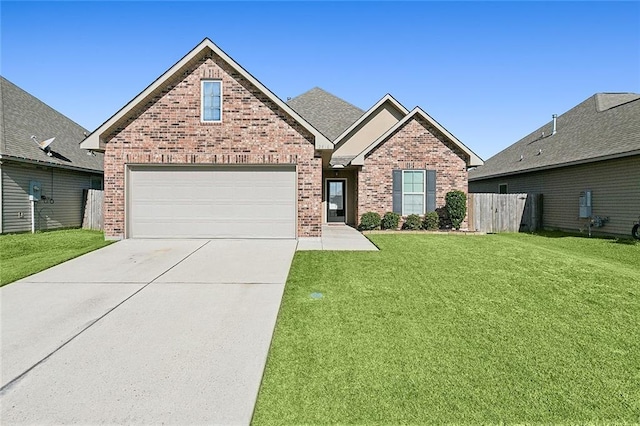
390	220
431	221
369	221
445	222
412	223
456	205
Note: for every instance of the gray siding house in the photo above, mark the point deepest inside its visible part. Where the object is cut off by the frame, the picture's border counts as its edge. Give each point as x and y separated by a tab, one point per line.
60	171
593	148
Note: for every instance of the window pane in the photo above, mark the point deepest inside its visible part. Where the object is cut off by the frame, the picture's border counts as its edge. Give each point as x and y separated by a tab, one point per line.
211	88
413	181
418	182
413	204
408	181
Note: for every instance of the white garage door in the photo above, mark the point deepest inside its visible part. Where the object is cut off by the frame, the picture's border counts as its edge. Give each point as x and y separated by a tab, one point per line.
211	202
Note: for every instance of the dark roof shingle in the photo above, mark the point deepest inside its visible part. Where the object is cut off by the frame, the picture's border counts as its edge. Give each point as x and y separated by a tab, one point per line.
22	116
326	112
604	125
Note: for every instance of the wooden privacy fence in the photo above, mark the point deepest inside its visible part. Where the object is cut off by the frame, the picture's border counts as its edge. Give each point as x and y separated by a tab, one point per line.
504	212
92	215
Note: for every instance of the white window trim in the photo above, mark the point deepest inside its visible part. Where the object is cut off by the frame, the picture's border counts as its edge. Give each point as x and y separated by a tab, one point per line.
423	193
202	82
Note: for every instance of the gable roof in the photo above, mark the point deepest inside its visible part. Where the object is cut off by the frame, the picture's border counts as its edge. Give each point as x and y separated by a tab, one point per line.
326	112
385	99
606	125
23	116
473	160
95	141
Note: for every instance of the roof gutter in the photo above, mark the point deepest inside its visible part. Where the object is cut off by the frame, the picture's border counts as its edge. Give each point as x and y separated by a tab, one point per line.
12	158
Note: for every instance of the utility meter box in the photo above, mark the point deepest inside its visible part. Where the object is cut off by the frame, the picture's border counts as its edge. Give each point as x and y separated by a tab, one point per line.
585	204
35	190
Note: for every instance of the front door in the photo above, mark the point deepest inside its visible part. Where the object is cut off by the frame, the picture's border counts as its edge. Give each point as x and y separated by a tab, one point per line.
336	201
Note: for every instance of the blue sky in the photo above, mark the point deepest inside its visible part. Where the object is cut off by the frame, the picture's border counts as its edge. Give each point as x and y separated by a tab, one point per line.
490	72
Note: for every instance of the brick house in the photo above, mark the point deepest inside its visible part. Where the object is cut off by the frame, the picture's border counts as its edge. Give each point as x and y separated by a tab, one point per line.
208	151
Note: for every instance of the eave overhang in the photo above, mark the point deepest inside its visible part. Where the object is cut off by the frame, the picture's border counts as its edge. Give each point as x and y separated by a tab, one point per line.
96	141
473	160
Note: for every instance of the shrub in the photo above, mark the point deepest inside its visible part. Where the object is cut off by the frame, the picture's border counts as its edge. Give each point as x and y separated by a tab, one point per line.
431	221
412	223
390	220
445	222
369	221
456	205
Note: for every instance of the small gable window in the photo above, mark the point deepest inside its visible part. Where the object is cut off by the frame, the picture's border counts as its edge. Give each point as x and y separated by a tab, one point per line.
502	188
414	191
211	101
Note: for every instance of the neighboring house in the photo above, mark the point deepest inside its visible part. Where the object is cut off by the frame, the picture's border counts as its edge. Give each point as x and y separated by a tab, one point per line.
593	147
56	174
208	151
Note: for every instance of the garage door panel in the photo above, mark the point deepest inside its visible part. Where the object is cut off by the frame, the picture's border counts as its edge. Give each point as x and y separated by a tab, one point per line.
197	202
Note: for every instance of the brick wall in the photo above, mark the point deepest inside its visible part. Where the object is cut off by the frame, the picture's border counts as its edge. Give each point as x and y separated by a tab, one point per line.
168	130
416	145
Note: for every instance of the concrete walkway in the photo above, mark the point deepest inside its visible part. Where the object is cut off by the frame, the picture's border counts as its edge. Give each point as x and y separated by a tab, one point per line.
143	332
337	237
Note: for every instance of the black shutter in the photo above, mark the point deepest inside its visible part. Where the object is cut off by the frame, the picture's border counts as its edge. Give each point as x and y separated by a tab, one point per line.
397	191
431	190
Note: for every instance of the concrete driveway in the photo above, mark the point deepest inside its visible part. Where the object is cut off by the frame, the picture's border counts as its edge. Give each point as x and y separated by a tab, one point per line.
143	332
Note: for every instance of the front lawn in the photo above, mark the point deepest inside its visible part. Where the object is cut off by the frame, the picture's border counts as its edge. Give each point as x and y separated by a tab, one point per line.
510	328
22	255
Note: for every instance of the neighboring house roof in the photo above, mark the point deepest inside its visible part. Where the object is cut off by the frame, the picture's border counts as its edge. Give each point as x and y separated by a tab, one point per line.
96	140
473	159
326	112
23	116
606	125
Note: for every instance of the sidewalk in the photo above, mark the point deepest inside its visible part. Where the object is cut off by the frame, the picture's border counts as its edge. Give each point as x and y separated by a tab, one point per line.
337	237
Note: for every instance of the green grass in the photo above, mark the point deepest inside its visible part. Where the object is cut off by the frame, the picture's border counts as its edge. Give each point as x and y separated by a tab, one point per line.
510	328
22	255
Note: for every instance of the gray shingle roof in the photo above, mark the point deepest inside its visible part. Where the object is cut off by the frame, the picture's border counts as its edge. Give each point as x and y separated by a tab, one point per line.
604	125
22	115
326	112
